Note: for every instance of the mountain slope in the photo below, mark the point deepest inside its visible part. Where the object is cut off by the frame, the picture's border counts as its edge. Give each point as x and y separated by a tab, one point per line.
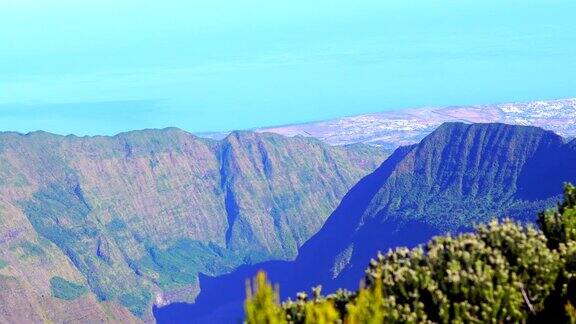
457	176
134	218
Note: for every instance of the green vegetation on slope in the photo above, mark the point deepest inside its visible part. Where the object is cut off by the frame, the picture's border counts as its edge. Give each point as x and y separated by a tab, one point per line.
180	263
27	250
80	242
501	273
138	302
139	215
64	289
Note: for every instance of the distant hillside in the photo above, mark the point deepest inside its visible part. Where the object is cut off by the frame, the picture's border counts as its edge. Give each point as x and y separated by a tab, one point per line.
394	128
92	226
457	176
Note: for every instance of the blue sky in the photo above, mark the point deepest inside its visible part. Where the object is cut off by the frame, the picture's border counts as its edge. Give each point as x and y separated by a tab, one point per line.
102	67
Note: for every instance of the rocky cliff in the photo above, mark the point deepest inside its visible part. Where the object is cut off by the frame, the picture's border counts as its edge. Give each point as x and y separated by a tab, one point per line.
102	227
458	176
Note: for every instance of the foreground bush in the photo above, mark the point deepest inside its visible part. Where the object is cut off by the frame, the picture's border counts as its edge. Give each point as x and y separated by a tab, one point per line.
502	273
262	305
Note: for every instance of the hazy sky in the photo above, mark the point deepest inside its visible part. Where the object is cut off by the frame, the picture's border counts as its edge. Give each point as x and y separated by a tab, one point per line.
103	66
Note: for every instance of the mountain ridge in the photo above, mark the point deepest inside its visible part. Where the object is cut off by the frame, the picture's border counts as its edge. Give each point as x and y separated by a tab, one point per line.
410	198
441	182
136	216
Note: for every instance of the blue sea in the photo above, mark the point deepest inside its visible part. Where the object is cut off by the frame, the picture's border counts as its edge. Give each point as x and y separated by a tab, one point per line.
102	67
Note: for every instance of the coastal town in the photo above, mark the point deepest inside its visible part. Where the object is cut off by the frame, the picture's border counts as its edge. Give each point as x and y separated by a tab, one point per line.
395	128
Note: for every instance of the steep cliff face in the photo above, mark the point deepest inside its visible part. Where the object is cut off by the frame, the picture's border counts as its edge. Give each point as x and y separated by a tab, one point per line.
136	217
277	182
456	177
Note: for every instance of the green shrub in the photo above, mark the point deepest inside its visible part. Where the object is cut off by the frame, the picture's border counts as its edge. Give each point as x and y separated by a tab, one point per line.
571	311
499	274
368	306
262	305
502	273
321	312
559	224
64	289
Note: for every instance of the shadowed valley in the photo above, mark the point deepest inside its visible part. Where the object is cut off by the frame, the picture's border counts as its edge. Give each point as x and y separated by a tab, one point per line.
458	176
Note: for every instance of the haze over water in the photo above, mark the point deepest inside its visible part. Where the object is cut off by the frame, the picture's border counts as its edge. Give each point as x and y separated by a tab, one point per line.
102	67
